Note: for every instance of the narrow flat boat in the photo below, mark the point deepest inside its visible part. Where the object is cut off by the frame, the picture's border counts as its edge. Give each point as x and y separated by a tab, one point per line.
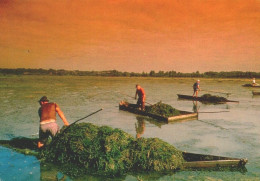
200	161
27	146
184	115
255	93
251	85
201	99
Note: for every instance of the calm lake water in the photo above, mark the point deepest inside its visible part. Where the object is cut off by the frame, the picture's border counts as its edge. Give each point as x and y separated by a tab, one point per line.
235	132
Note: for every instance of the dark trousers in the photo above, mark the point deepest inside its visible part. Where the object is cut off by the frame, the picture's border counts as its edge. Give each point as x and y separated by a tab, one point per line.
140	103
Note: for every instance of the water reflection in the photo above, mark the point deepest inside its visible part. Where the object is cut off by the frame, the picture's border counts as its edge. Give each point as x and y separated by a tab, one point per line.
139	127
195	107
141	122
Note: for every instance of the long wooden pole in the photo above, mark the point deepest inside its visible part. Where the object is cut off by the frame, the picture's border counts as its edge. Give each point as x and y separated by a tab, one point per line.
213	112
83	118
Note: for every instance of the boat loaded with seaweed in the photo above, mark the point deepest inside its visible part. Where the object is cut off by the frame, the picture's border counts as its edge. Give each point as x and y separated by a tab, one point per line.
89	149
159	111
207	98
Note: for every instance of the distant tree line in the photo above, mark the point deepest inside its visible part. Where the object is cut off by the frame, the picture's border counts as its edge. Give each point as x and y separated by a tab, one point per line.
115	73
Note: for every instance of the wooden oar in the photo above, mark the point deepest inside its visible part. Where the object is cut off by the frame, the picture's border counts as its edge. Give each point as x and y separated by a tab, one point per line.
133	97
227	93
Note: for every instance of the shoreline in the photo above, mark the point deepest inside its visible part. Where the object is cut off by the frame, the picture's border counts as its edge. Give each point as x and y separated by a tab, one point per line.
131	77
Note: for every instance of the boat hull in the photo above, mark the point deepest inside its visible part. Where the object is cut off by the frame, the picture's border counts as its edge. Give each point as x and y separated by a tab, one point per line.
255	93
195	161
187	97
27	146
250	85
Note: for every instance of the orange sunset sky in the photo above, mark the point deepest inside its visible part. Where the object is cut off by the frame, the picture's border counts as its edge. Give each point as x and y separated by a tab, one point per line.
131	35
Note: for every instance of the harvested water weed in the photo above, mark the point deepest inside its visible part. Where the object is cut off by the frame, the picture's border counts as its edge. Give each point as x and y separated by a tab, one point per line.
86	148
162	110
211	98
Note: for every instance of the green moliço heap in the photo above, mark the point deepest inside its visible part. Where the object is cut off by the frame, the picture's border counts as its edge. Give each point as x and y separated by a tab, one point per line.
162	110
86	148
211	98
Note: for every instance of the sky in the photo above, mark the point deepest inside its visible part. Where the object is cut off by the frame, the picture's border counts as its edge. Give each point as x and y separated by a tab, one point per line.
131	35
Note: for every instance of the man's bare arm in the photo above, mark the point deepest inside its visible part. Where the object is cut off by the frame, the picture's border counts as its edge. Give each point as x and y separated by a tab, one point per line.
62	116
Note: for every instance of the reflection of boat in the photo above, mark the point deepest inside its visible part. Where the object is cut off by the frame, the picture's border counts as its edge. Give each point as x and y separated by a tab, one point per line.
151	121
194	160
133	109
201	99
251	85
255	93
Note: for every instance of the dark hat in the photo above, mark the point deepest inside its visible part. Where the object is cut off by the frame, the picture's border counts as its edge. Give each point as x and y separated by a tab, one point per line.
44	99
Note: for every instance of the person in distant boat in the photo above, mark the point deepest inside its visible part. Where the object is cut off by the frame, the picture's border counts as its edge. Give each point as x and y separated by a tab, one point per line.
141	97
48	125
254	83
196	88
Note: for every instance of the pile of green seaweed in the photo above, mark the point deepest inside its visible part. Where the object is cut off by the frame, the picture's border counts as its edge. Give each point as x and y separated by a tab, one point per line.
86	148
162	110
211	98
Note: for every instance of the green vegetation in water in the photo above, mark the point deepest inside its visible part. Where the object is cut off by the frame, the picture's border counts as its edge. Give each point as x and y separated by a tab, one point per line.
162	110
86	148
211	98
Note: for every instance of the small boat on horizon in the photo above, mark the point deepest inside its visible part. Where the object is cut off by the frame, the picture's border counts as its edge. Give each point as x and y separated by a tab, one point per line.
251	85
255	93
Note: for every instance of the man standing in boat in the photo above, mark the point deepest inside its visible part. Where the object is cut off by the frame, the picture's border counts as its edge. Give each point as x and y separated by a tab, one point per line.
48	125
141	97
196	88
254	82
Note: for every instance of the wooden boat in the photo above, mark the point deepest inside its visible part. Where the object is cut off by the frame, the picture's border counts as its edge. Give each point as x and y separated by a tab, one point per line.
201	99
201	161
251	85
133	109
28	146
255	93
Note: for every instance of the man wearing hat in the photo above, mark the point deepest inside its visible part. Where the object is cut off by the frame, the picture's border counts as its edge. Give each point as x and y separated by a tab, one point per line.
48	125
196	88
